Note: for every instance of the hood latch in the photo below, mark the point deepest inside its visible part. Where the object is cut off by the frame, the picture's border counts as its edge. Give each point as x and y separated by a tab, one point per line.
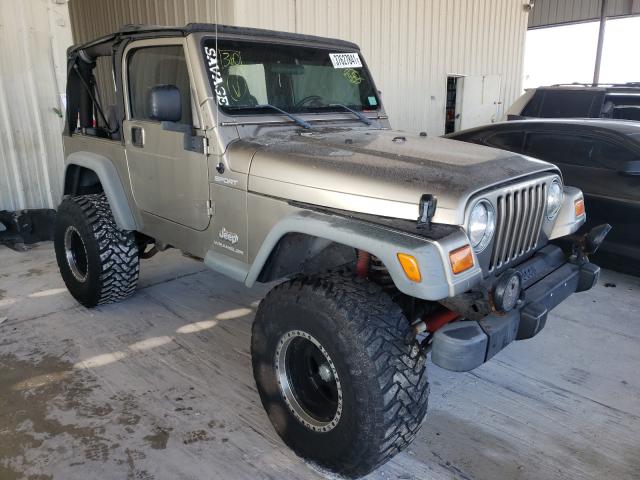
428	205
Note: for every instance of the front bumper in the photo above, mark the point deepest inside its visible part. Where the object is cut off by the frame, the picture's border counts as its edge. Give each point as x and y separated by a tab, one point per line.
547	280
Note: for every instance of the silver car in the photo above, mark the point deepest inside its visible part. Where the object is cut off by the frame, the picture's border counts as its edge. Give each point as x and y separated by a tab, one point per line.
269	155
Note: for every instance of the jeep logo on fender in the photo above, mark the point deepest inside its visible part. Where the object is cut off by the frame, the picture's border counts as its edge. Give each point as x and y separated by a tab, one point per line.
230	237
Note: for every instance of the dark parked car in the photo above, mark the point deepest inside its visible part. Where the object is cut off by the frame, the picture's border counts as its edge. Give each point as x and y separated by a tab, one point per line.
601	157
610	101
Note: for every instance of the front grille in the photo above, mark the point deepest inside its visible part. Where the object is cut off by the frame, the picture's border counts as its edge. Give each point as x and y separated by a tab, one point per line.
519	219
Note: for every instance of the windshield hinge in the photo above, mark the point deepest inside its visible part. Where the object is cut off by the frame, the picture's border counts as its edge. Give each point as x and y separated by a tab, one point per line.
209	208
205	146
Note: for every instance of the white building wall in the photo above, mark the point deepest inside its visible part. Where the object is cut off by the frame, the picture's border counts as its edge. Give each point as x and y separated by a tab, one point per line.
410	45
34	35
91	19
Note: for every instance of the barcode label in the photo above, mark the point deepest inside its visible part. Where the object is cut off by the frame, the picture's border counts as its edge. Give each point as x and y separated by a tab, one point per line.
345	60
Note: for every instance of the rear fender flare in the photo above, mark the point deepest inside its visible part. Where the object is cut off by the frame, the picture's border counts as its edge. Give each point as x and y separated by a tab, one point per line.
111	184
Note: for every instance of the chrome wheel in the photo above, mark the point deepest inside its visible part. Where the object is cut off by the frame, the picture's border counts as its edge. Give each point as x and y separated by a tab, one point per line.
76	253
308	381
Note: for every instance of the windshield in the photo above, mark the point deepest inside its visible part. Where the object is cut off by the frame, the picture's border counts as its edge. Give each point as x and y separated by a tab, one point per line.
246	75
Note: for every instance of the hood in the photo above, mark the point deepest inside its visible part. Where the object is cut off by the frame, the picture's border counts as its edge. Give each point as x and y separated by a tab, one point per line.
382	172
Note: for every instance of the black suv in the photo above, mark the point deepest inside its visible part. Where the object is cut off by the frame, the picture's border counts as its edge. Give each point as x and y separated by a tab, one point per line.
577	100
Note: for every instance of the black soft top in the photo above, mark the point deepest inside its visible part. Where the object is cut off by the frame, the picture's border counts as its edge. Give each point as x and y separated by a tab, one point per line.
104	45
81	59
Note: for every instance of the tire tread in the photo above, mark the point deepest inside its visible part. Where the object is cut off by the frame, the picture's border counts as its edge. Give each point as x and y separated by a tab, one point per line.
400	369
117	248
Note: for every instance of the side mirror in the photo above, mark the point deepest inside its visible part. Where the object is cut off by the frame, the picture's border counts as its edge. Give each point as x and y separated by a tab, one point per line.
165	104
631	168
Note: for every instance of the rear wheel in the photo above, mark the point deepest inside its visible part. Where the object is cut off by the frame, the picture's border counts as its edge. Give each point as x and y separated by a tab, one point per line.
98	261
335	374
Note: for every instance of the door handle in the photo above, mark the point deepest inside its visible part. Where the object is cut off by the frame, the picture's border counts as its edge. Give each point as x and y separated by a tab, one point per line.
137	137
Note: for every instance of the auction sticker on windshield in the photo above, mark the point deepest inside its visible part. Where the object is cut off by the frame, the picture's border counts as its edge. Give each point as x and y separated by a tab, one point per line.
345	60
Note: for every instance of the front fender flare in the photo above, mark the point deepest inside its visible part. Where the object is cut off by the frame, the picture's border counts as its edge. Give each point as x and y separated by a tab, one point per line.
438	281
111	184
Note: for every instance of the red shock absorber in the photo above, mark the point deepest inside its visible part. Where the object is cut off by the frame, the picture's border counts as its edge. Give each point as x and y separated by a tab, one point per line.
433	321
362	265
440	319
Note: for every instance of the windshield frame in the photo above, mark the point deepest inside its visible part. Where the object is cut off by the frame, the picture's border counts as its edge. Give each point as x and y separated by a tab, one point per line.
332	109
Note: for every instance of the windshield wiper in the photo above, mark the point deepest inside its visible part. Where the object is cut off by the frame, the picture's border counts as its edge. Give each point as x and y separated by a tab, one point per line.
298	120
360	116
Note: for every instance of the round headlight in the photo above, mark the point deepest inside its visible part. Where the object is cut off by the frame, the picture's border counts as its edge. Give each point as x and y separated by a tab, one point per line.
554	199
481	225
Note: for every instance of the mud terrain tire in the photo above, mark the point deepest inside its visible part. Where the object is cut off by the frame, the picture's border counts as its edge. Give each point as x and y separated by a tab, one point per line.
362	333
98	261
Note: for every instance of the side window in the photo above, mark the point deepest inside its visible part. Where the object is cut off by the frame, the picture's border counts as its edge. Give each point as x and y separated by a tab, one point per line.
569	104
578	150
512	141
152	66
611	156
560	148
106	89
532	109
626	107
627	112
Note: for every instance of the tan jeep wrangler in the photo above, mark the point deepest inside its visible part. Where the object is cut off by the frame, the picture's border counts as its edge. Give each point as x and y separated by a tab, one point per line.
269	156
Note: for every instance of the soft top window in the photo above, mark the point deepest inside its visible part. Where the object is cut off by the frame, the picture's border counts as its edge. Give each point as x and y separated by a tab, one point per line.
91	97
245	75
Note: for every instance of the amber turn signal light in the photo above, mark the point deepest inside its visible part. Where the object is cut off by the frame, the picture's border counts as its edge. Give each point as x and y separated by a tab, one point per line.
461	259
410	267
579	207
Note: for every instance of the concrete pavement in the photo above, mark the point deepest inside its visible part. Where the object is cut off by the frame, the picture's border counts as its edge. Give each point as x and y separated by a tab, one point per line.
160	387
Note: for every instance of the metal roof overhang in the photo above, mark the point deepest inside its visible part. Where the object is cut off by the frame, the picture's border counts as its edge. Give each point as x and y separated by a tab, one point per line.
550	13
